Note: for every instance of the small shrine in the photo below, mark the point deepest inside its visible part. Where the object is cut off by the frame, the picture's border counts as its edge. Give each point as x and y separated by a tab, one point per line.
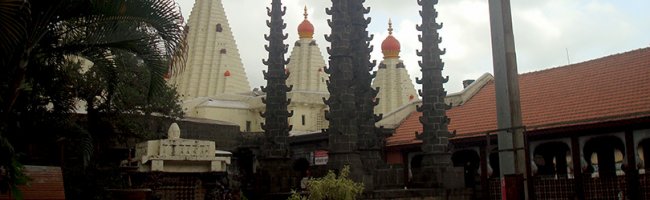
177	168
176	154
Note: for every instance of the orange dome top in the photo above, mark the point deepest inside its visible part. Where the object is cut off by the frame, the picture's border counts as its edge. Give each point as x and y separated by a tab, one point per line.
390	46
227	73
306	29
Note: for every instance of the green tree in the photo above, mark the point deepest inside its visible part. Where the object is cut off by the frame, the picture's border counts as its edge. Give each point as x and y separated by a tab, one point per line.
331	187
41	39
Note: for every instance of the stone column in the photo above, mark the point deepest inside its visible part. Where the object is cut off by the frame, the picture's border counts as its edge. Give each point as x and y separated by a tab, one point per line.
512	154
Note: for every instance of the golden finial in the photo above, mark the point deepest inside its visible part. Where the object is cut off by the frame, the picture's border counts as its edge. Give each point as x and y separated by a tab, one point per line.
390	27
305	12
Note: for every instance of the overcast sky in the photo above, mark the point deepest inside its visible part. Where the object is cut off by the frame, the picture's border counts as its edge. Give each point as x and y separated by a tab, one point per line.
544	32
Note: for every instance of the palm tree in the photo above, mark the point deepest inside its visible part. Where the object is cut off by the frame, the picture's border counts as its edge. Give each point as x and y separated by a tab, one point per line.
38	34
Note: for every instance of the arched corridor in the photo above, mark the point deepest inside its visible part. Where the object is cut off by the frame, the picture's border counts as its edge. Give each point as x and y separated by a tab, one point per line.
604	155
551	159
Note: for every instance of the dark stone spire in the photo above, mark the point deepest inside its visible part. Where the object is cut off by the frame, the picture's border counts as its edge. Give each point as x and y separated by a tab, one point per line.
276	128
436	163
275	155
343	112
369	143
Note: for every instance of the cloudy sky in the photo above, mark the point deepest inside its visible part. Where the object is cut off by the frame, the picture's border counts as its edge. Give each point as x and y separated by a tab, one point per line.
545	32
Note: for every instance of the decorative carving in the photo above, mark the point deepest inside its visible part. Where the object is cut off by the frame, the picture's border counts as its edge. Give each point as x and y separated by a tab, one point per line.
174	132
400	65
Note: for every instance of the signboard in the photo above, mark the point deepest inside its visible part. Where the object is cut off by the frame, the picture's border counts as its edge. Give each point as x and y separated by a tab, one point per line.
320	157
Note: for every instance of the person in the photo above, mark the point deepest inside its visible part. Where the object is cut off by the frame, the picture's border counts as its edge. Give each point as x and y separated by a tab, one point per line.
303	181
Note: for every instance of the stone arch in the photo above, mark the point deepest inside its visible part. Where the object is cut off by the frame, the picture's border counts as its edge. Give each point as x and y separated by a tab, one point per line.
604	155
470	161
301	165
416	161
551	158
245	161
414	164
643	151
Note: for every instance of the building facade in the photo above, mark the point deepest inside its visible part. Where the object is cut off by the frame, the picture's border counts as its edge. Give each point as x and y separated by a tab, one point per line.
587	127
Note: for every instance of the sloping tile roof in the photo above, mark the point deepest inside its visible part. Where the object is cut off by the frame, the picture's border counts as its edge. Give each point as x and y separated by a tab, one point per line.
611	88
46	183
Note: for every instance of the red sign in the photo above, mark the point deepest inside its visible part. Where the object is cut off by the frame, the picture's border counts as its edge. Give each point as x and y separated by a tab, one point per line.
320	157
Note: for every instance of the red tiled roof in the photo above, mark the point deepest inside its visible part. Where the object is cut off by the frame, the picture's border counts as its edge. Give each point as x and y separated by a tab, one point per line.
615	87
46	183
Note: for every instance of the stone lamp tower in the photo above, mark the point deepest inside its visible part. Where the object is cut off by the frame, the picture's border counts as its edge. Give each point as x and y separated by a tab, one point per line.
437	170
275	153
353	138
343	130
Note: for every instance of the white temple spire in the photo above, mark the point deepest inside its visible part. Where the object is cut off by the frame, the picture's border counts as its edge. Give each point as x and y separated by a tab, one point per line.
395	86
213	65
306	61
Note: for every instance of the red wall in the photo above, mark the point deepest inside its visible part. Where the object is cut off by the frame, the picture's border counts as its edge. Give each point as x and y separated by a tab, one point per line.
394	157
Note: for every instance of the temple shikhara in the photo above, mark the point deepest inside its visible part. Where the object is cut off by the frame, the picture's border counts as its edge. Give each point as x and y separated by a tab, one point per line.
395	85
214	63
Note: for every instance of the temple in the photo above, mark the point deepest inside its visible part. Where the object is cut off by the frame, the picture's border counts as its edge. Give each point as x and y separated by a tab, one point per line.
586	125
362	106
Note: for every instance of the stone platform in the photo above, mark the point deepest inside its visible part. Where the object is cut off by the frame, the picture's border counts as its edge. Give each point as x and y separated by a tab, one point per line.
421	194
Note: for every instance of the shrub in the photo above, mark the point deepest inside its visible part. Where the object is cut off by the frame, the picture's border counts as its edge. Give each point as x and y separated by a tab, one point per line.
331	187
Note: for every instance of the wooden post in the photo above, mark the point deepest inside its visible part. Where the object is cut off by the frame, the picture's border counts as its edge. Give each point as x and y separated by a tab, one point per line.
631	173
528	177
485	187
577	168
407	168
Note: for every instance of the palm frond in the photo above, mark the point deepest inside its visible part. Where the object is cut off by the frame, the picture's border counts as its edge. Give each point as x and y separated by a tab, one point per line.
153	30
14	15
162	18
